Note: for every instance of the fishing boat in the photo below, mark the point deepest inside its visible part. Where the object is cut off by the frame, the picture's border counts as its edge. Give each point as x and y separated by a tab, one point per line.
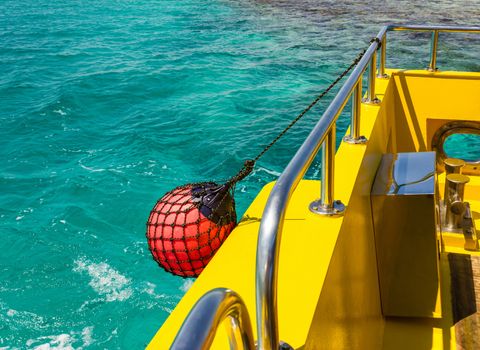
382	252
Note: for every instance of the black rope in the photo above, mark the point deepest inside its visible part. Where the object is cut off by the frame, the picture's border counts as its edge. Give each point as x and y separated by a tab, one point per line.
249	164
243	173
188	224
310	106
378	41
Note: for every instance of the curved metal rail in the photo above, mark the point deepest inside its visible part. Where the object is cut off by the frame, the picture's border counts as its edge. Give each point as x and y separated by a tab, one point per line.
274	213
200	326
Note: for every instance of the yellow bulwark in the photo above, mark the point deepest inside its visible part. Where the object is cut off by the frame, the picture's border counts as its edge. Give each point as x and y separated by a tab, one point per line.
329	295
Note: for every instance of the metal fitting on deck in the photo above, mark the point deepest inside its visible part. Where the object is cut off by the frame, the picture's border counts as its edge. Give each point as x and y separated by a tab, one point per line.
454	165
454	203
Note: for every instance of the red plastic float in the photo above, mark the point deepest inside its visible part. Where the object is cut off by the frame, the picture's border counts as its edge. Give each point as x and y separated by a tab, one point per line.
188	225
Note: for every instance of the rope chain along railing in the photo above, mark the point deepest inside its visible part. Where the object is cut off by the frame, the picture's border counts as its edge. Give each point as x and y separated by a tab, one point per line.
249	164
189	223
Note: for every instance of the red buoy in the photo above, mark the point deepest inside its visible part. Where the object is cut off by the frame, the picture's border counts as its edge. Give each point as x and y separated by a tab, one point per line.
188	225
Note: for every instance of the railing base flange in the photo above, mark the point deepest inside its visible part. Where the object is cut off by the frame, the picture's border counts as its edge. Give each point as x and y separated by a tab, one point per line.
335	210
383	76
375	101
361	140
284	346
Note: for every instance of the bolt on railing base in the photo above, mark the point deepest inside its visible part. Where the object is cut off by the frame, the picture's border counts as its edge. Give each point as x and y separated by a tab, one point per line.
281	346
383	76
284	346
336	209
361	140
375	101
430	69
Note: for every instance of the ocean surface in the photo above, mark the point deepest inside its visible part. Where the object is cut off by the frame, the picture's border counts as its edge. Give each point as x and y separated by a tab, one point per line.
106	105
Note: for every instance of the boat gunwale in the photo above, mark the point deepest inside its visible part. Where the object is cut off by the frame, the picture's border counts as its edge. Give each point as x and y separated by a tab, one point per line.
270	231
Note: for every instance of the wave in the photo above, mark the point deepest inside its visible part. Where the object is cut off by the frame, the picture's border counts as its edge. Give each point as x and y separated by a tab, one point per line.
16	320
186	285
64	341
268	171
105	280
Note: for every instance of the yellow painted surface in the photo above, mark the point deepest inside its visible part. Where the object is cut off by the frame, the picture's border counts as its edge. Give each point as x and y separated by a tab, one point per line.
328	279
424	102
424	333
434	97
348	314
234	267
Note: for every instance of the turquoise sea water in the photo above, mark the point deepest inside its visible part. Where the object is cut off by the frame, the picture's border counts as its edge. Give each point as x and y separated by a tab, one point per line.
106	105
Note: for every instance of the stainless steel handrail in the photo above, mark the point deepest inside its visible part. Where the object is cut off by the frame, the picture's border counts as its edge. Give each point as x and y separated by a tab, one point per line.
200	327
434	42
432	67
429	28
274	213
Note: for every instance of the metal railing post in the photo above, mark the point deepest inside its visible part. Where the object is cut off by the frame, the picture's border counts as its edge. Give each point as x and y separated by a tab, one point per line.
383	59
354	137
327	205
200	326
271	225
328	170
433	52
372	73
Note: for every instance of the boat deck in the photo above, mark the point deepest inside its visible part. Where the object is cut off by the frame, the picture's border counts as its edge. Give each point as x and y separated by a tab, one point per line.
328	294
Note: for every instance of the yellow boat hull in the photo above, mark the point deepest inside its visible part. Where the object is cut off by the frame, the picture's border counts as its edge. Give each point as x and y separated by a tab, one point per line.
328	294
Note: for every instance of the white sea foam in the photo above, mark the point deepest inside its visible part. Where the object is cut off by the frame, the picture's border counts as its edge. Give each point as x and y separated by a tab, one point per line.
87	336
268	171
16	319
166	302
99	170
105	280
93	170
59	111
87	303
64	341
60	342
137	247
186	285
317	168
22	214
149	288
11	313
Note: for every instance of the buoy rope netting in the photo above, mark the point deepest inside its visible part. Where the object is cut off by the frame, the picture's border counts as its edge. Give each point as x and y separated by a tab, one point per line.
189	223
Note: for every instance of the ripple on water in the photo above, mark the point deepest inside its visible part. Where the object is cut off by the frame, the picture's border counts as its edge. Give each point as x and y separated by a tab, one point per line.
106	105
105	280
